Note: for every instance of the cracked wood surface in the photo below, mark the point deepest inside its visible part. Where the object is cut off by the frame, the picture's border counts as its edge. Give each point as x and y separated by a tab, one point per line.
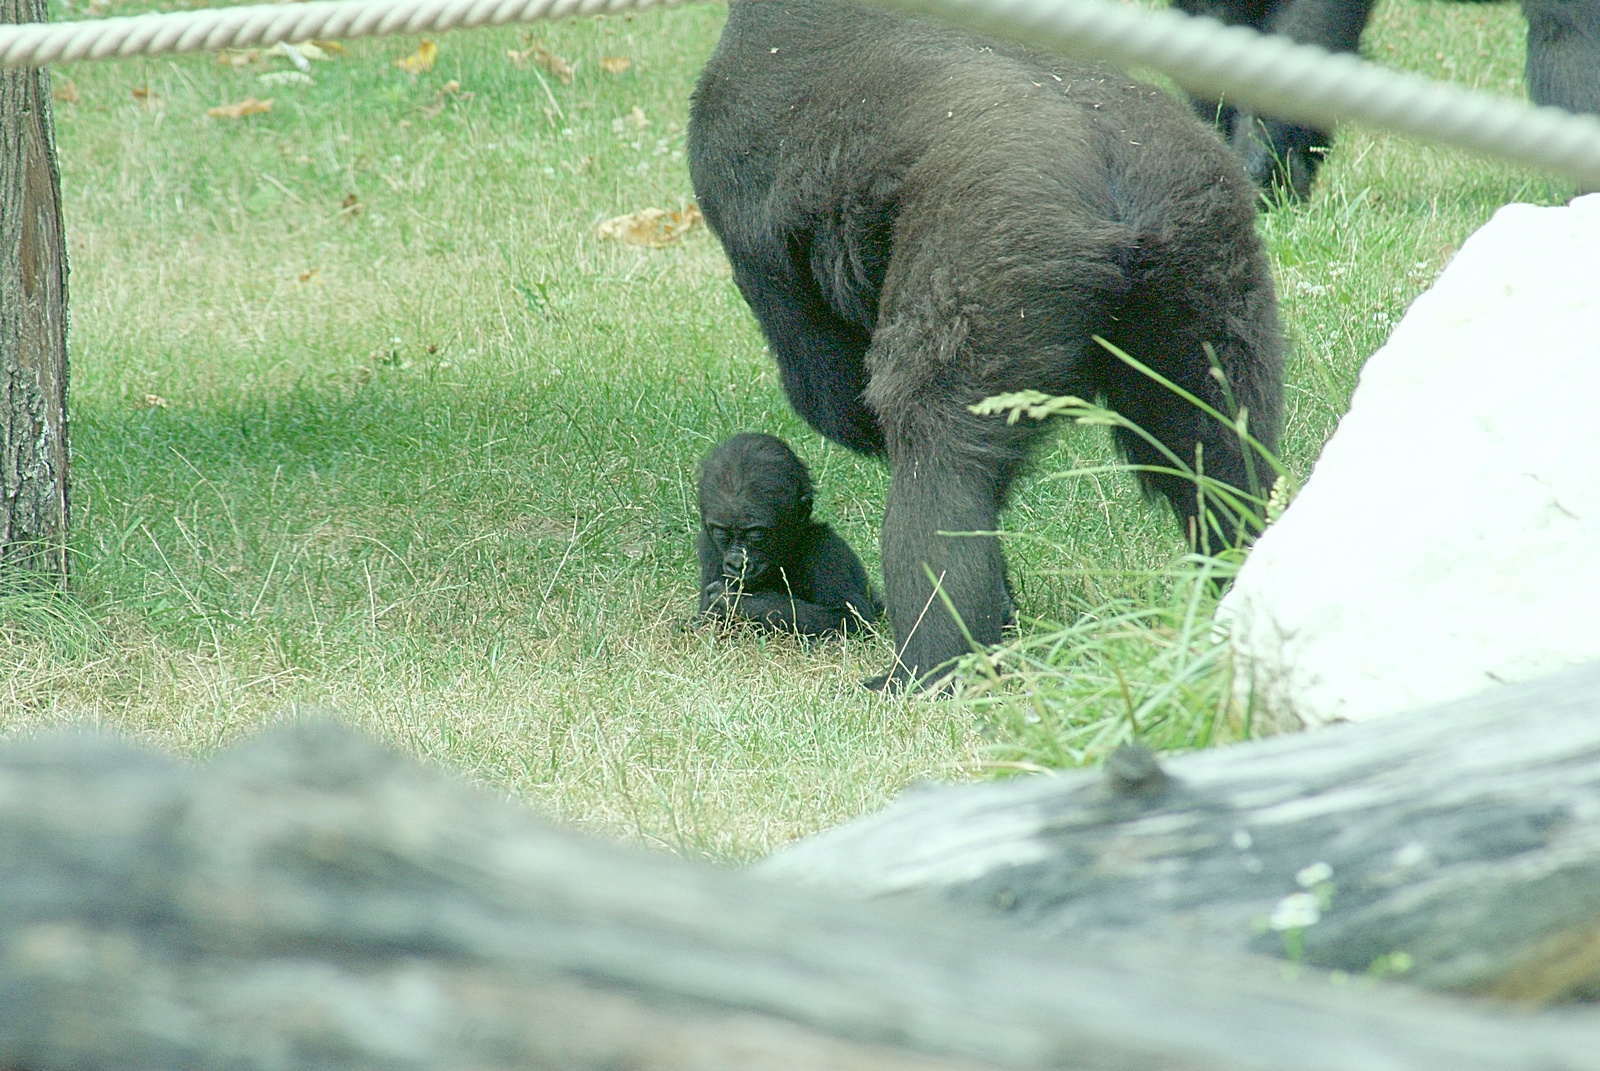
1463	839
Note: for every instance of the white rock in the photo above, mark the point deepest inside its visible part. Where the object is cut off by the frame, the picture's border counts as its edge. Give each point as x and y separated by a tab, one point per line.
1449	537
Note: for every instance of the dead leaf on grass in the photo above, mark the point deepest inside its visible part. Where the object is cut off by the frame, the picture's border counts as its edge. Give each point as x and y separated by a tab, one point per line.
313	276
248	106
615	64
652	227
421	61
318	50
450	91
66	92
541	55
154	401
351	206
146	99
238	57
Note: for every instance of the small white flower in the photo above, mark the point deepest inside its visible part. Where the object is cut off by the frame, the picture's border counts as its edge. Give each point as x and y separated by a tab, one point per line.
1295	912
286	78
1413	854
1315	874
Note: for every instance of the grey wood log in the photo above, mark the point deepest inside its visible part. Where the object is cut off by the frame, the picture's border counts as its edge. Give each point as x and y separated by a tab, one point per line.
1465	838
312	900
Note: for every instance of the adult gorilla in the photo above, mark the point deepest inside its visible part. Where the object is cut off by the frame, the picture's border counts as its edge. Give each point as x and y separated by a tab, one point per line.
921	218
1563	70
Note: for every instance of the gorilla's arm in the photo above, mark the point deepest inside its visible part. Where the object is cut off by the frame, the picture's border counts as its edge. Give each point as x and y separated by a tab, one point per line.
782	612
819	353
712	583
824	591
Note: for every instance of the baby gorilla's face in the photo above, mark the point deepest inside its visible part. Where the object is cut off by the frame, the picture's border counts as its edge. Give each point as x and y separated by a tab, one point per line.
755	508
744	544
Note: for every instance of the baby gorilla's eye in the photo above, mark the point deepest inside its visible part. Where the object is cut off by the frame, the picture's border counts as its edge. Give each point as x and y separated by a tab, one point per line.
754	535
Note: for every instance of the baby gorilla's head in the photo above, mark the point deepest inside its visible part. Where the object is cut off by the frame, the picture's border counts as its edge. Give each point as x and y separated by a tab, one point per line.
755	504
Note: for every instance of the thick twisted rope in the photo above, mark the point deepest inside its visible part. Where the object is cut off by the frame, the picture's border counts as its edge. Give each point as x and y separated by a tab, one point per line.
241	27
1289	81
1272	74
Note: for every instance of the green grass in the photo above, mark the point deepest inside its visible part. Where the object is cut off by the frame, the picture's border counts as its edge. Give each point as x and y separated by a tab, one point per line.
429	463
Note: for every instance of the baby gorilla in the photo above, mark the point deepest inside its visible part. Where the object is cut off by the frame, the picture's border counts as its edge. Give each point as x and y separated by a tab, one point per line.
762	557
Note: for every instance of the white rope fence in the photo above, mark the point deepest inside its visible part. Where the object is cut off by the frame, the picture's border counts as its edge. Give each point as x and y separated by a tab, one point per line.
1271	74
265	24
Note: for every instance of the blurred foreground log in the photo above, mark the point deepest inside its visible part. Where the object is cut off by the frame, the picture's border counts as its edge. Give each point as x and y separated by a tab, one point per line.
1459	844
312	900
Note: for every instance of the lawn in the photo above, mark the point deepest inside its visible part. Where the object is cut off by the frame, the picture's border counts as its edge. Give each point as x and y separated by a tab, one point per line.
368	419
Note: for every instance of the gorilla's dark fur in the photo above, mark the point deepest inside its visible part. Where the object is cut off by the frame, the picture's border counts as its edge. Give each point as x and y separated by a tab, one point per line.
762	557
922	218
1563	70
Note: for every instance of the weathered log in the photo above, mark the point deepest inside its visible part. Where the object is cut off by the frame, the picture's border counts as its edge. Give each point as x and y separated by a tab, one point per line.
1463	842
311	900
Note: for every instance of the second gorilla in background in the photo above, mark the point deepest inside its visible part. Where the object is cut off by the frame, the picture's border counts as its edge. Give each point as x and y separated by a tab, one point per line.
921	218
1563	70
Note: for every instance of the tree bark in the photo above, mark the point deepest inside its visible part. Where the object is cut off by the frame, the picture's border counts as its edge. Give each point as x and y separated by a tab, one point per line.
33	329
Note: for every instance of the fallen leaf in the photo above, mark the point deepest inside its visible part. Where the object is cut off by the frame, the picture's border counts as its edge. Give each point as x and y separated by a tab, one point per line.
146	99
332	48
248	106
615	64
653	227
351	206
312	276
154	401
291	53
66	92
313	51
238	57
636	118
451	90
544	58
421	61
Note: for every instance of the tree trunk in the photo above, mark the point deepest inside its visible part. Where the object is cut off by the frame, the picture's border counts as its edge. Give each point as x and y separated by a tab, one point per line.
33	329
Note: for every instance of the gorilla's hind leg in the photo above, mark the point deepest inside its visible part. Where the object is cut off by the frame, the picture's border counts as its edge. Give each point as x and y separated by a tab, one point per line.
945	484
1215	478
